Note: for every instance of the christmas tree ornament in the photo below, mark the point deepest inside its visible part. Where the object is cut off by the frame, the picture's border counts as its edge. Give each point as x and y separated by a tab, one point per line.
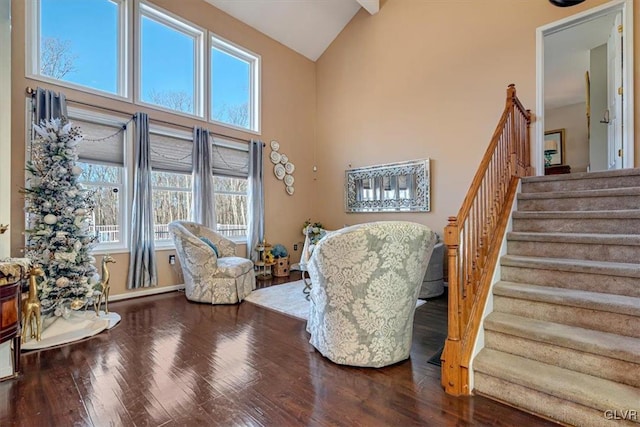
77	304
61	282
76	170
50	219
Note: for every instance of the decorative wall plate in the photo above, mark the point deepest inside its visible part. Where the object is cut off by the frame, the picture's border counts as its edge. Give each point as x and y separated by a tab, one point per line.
284	159
289	167
279	171
288	180
275	145
275	157
290	190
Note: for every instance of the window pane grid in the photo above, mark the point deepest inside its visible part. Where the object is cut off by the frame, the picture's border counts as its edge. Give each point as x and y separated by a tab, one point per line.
164	42
86	51
231	205
172	200
233	75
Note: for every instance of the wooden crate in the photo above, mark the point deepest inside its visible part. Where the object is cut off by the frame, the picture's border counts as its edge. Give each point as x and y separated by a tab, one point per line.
281	267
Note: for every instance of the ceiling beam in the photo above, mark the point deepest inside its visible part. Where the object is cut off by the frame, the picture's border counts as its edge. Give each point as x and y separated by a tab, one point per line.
371	6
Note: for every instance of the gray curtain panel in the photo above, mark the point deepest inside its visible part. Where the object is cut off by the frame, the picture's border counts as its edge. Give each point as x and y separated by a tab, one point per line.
255	231
49	105
142	263
204	206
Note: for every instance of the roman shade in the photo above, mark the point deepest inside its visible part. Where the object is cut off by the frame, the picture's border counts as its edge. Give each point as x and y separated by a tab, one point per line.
171	153
107	151
229	158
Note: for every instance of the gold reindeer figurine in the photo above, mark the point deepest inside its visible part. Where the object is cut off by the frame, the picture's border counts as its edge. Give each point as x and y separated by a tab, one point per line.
31	307
104	286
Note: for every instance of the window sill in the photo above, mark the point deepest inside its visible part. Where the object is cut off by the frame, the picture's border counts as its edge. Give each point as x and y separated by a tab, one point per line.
79	87
104	251
238	240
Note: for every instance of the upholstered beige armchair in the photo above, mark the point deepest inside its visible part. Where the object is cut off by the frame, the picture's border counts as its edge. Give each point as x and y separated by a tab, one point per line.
221	278
365	283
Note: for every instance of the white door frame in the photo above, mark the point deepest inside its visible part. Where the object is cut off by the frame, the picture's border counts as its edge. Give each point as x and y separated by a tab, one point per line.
614	6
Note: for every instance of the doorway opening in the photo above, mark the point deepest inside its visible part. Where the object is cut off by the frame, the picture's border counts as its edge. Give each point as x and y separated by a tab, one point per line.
585	92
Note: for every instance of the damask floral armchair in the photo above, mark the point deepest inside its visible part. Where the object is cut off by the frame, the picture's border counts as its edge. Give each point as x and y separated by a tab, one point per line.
221	278
366	279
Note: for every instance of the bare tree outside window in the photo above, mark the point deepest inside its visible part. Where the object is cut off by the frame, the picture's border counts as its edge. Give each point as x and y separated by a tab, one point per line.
56	57
175	100
234	114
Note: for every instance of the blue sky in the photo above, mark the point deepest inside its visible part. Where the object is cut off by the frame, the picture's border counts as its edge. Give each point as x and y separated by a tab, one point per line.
89	26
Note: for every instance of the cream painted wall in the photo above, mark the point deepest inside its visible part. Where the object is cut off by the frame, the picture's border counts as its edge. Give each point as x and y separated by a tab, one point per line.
426	79
288	115
5	125
573	119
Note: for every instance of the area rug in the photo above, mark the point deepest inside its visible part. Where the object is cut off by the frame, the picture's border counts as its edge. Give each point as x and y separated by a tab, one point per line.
288	299
57	330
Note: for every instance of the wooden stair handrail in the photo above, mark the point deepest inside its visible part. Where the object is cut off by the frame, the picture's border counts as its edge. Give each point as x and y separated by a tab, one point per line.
474	236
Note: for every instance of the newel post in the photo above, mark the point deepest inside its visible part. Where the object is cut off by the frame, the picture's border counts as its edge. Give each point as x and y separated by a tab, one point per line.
529	170
452	373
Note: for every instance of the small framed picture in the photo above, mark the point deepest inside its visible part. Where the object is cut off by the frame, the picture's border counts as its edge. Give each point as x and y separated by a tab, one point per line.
554	147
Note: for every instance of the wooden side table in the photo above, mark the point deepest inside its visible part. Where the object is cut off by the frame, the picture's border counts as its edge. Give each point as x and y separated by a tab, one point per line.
11	276
264	270
557	169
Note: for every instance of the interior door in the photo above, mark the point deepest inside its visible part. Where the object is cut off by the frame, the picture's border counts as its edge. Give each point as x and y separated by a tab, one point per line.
615	94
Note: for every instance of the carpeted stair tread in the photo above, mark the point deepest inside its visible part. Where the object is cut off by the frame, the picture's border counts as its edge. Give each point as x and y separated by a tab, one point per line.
583	238
573	265
564	412
612	214
601	192
570	297
572	337
576	387
583	175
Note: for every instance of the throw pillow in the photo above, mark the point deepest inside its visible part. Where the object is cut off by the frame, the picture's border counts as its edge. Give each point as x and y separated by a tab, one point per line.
211	245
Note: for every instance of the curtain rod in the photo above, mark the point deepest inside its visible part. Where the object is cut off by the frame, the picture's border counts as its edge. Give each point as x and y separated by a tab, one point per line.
31	91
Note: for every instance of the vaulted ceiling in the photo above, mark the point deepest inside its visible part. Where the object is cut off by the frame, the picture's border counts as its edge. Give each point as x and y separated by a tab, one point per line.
306	26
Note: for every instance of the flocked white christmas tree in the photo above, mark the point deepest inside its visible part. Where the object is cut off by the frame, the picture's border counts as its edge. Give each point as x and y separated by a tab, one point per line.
58	209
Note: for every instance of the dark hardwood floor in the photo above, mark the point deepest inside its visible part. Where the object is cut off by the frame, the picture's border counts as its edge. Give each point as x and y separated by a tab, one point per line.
175	363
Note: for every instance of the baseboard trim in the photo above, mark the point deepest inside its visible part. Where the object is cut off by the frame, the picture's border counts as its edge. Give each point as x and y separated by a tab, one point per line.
146	292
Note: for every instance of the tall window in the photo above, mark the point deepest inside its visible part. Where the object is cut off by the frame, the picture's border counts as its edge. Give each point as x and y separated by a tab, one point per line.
171	180
230	162
101	157
234	86
171	62
231	205
79	43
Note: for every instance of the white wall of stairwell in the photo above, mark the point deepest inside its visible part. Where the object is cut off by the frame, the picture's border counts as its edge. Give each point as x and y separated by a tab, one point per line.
488	307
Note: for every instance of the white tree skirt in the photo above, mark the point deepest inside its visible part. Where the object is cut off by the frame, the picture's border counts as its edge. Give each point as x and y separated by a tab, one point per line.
80	325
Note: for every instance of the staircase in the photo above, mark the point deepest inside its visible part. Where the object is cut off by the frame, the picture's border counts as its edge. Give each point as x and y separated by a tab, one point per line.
563	340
